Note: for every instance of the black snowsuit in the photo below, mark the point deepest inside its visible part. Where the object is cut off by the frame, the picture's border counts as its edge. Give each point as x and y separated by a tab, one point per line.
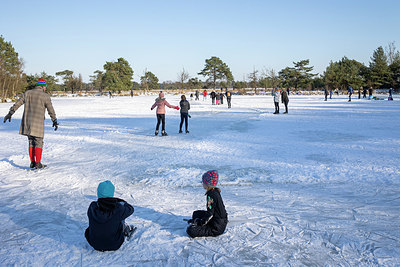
106	223
210	222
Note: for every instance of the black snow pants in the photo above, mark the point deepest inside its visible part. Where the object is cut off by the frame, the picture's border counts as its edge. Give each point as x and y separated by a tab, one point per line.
160	118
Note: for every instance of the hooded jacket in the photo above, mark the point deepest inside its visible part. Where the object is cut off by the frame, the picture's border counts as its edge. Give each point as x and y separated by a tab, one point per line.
106	223
160	104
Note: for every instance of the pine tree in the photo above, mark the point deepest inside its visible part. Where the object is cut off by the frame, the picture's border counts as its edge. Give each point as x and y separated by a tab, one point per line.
379	72
215	69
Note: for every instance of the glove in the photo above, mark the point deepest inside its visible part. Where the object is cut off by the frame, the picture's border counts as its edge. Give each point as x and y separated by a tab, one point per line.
176	107
189	116
8	117
199	222
55	125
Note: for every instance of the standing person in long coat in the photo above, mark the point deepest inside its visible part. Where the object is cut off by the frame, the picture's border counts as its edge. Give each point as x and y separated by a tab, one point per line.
285	100
32	124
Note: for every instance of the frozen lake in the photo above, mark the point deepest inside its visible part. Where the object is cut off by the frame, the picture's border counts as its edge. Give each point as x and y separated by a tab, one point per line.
317	186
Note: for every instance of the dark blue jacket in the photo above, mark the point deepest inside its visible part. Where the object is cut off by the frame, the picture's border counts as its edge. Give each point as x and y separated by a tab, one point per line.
106	223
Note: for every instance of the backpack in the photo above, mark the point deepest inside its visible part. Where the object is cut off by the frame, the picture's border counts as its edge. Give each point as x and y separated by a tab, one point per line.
228	94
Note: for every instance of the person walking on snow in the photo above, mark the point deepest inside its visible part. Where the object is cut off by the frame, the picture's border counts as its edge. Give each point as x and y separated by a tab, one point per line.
160	103
36	102
204	94
185	106
276	94
107	228
213	220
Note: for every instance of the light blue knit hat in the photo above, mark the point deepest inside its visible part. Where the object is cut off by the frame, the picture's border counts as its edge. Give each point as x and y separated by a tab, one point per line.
105	189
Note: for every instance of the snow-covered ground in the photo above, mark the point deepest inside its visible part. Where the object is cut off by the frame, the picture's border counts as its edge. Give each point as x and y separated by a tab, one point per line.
319	186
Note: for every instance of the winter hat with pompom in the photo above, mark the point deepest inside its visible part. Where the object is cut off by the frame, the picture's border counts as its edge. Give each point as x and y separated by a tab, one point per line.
41	82
105	189
210	178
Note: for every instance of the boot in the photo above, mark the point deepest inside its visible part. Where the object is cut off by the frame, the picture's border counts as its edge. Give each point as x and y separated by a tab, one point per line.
187	131
33	165
180	131
163	133
156	132
40	165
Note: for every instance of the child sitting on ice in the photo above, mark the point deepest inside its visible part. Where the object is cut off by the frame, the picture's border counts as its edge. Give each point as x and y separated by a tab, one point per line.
213	221
107	228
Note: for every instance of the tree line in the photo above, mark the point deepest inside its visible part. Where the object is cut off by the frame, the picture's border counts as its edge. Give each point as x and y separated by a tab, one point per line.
383	71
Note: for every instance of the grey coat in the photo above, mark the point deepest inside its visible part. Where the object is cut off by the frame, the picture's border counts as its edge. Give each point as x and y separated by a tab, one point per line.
185	106
36	102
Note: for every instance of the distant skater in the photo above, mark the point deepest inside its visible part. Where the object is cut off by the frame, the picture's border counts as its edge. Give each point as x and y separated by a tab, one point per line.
276	94
197	94
326	94
213	97
330	94
350	91
221	96
285	101
390	97
365	93
160	103
185	106
204	94
213	220
217	98
229	98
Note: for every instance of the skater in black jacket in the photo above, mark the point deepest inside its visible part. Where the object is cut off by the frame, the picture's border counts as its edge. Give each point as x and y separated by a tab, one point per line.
185	106
213	221
107	229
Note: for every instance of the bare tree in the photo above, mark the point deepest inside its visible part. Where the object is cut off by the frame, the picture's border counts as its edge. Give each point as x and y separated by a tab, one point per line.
253	78
392	53
182	77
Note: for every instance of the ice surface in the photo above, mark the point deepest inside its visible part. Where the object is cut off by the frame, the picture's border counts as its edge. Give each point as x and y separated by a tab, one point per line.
318	186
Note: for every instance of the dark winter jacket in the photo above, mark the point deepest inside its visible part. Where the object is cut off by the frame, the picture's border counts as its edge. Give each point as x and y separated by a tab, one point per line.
285	98
216	217
185	106
213	94
106	222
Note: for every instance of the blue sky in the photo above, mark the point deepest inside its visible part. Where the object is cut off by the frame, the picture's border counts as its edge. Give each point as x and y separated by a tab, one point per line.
166	36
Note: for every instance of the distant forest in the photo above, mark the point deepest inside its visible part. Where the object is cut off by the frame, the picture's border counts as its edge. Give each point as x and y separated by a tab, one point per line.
382	72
